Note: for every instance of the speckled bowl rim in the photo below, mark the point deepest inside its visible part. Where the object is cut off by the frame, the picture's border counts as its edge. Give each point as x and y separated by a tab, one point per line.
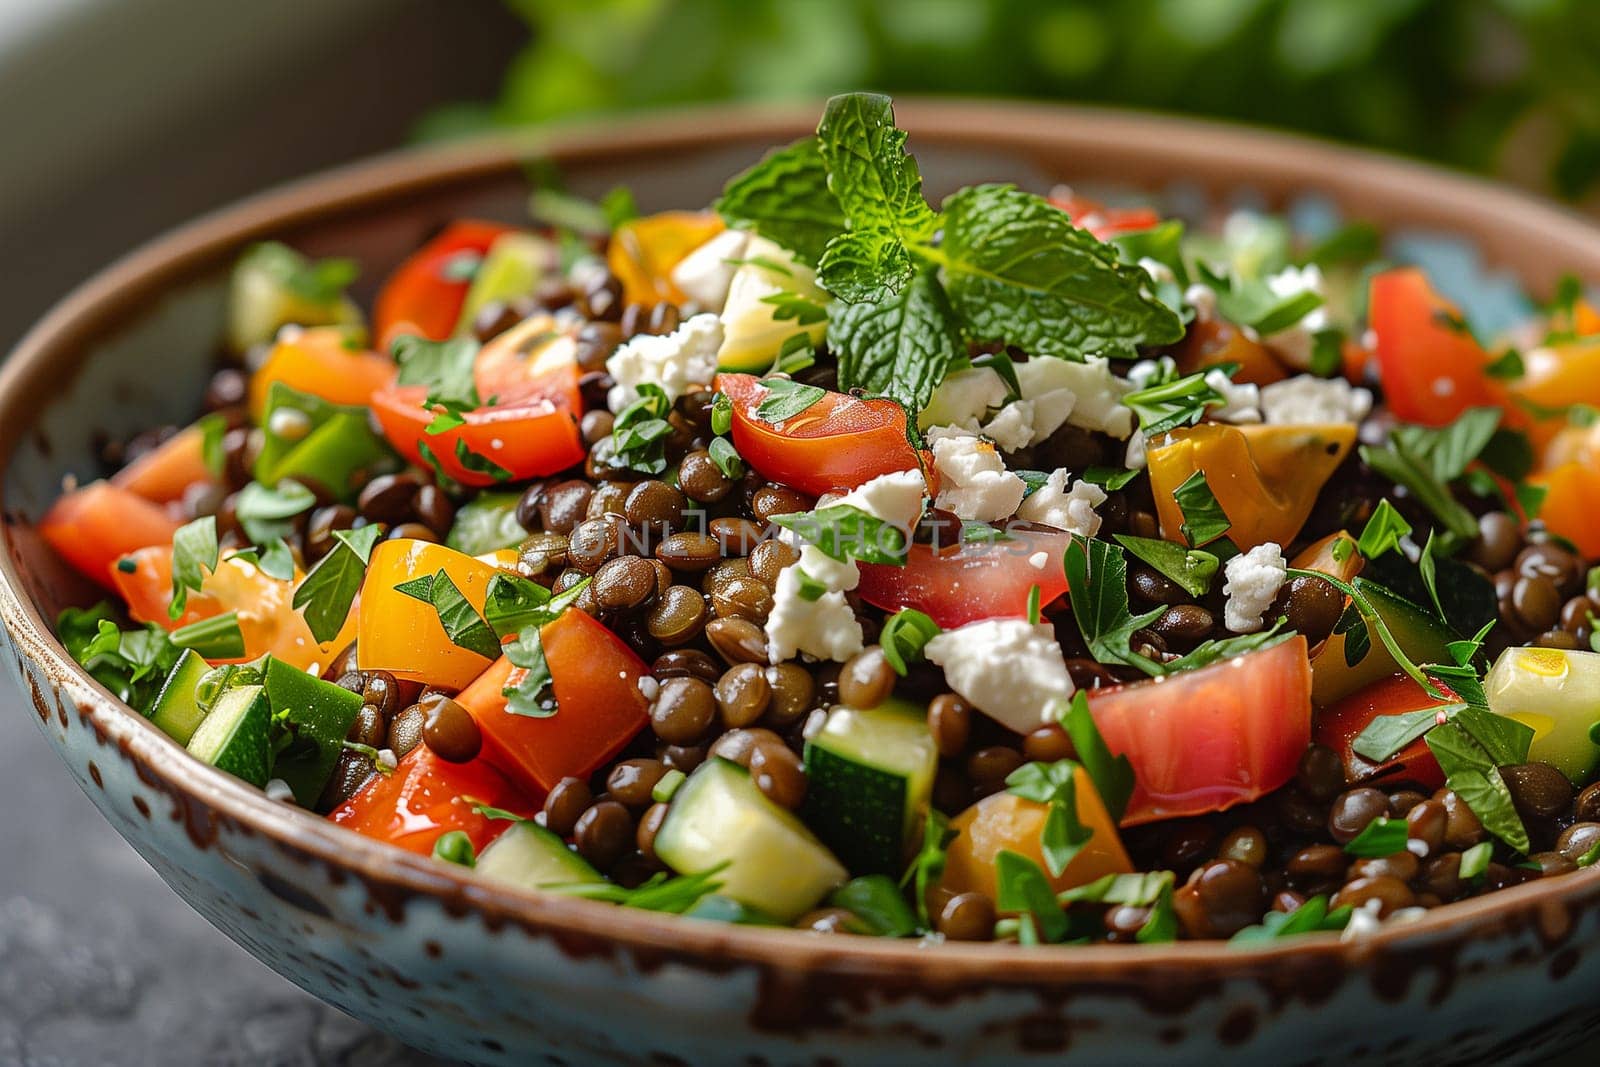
98	308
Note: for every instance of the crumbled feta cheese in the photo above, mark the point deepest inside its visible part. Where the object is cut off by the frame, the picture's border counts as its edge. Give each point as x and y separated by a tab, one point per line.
278	789
1097	392
1203	299
1297	343
1136	456
686	356
1159	272
973	480
387	760
1009	669
1307	400
1142	373
964	399
649	687
1253	581
1012	429
1072	510
1240	400
892	498
838	575
825	628
705	274
1364	920
1039	560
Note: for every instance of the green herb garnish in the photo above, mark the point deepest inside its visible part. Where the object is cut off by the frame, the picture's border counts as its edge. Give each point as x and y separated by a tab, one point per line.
326	593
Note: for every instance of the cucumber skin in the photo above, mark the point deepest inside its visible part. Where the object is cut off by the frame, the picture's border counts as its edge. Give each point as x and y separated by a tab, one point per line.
858	811
246	752
563	865
324	712
175	711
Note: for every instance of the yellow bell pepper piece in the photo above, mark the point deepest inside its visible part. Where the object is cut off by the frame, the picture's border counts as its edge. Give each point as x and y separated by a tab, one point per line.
643	252
403	635
1266	478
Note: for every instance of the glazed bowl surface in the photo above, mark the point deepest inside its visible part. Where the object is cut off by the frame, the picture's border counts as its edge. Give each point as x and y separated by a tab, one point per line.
485	974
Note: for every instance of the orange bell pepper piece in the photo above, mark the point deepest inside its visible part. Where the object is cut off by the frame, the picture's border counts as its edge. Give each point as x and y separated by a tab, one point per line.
93	526
317	361
1007	821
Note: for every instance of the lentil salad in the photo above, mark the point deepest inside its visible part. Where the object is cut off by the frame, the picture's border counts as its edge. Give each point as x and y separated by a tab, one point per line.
1029	569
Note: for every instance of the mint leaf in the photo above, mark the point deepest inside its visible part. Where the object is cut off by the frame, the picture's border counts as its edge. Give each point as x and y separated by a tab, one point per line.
1383	531
1018	271
1112	775
844	533
321	281
901	346
1191	568
533	696
1470	771
785	399
460	620
1024	888
326	593
265	513
1097	585
445	367
785	198
194	555
879	189
512	602
1203	518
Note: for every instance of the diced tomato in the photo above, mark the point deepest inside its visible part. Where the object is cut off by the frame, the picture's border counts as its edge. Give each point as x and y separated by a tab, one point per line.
426	796
164	473
982	580
430	287
320	362
1208	739
265	606
595	677
643	251
1431	366
535	358
1338	727
839	442
526	438
1105	222
93	526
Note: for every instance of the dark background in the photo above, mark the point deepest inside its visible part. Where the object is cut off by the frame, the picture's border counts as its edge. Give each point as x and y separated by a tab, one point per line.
121	118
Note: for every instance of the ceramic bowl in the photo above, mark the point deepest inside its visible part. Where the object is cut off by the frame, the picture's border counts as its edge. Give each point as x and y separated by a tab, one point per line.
486	974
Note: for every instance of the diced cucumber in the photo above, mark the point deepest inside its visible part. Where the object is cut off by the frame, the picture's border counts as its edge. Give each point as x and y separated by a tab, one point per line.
774	864
177	711
262	298
321	714
486	522
1556	693
514	267
869	777
753	332
529	856
1420	634
235	736
336	444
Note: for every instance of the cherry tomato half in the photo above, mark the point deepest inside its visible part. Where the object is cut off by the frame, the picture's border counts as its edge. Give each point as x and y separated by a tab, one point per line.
839	442
985	580
1431	366
426	796
429	288
1339	725
526	438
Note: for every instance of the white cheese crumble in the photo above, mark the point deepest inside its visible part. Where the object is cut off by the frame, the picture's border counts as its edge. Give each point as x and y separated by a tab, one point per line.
825	628
1241	401
1009	669
1039	560
973	480
892	498
686	356
964	398
1203	299
278	789
1307	400
1012	429
1297	343
705	274
1137	455
1095	390
1253	581
1072	510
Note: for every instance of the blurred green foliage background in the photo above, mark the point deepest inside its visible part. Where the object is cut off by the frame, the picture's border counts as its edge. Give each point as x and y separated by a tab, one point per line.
1508	87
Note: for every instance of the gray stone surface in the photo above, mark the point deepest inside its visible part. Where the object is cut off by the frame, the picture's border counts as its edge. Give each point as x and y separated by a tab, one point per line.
100	963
